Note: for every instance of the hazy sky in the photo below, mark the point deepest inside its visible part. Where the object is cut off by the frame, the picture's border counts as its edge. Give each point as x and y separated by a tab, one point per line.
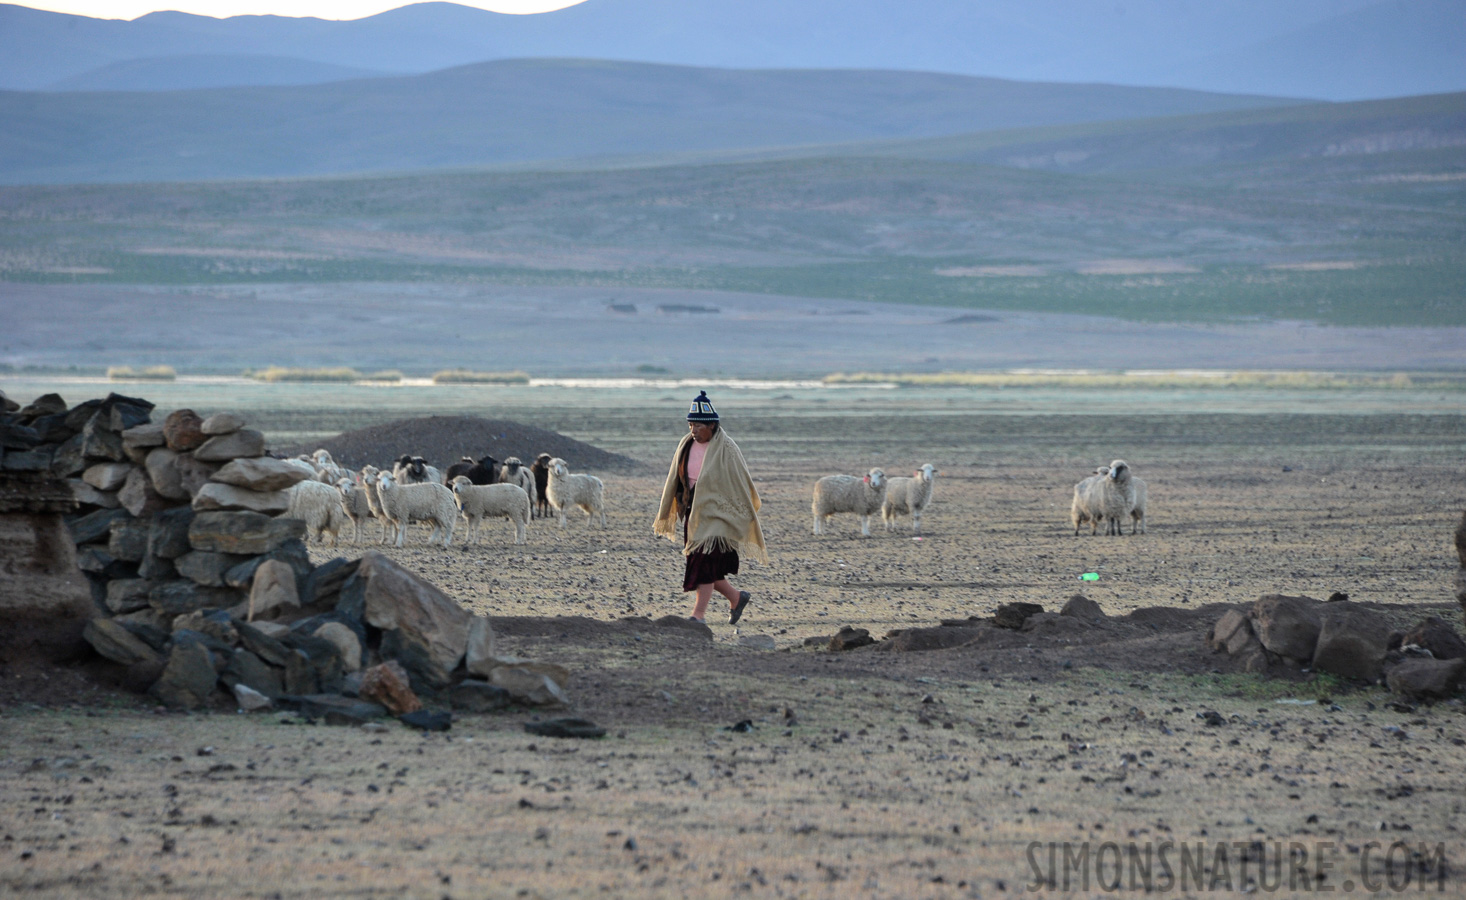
325	9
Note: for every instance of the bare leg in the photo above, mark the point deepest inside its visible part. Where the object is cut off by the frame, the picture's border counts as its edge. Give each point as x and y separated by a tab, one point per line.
704	594
723	587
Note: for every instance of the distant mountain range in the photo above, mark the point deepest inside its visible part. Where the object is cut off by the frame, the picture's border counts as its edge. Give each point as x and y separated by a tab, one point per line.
1326	49
530	112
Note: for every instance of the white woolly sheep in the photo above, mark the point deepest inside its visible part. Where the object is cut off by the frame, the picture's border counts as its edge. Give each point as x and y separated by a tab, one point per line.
846	493
404	504
1109	497
515	472
1137	514
358	507
908	497
327	471
1079	510
319	506
480	501
585	491
374	502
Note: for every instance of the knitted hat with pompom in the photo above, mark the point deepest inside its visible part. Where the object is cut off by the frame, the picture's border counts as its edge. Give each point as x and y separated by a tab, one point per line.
702	409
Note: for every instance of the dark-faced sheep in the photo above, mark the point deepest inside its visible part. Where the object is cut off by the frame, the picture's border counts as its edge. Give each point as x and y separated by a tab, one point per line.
415	470
515	472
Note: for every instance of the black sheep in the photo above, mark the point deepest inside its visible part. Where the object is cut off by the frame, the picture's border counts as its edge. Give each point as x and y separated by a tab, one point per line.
541	470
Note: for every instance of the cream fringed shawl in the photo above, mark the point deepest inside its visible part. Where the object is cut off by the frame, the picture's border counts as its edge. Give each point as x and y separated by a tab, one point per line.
724	506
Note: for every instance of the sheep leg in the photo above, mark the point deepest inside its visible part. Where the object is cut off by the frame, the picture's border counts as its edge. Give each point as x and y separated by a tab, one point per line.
865	525
916	522
817	524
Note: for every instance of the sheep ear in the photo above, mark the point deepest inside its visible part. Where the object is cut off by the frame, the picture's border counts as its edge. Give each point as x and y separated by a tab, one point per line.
867	479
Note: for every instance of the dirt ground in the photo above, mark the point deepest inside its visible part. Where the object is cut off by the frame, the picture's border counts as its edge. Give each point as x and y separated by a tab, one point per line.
883	772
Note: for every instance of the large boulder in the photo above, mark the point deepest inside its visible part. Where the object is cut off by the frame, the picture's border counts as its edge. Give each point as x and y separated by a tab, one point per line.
388	684
44	405
1437	636
142	437
1352	642
222	448
117	643
246	668
273	590
347	645
293	553
189	679
68	459
245	533
422	627
1287	626
164	471
262	473
119	413
1420	679
1231	622
100	442
183	430
214	496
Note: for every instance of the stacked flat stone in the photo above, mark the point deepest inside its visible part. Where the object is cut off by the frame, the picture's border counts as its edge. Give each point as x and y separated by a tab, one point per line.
202	589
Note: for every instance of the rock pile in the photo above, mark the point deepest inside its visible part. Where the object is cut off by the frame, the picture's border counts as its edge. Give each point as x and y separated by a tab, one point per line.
199	585
1344	639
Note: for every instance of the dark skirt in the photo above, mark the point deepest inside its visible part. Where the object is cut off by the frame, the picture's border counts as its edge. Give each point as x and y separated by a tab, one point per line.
705	568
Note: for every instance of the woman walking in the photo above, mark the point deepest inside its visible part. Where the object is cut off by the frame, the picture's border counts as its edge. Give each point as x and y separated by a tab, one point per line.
710	491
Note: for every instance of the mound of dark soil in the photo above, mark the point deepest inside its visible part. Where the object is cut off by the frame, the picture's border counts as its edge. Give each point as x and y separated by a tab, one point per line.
444	440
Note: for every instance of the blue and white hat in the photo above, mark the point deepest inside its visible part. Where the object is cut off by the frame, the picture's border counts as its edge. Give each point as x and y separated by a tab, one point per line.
702	409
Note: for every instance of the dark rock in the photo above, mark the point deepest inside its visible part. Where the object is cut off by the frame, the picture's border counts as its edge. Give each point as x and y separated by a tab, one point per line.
249	670
917	640
179	597
1082	608
326	580
427	721
127	594
15	436
682	623
478	696
95	560
148	633
1352	642
334	709
189	679
1426	678
168	533
310	625
1013	615
164	473
68	460
848	638
99	442
79	415
219	651
183	430
261	644
571	727
1287	626
204	567
1437	636
38	460
44	405
119	413
293	552
52	429
117	643
322	658
127	539
156	568
244	533
215	623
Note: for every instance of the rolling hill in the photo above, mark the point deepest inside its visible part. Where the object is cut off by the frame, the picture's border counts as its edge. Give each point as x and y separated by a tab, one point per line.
1327	49
195	71
527	112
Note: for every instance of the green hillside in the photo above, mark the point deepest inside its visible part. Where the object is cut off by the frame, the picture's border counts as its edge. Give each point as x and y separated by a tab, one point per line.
1270	227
